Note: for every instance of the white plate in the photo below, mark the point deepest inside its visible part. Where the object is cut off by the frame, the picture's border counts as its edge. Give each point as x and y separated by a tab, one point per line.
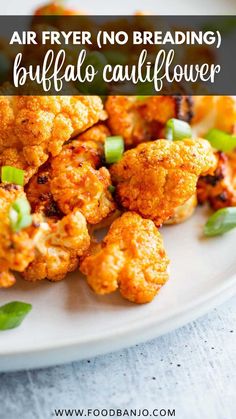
69	322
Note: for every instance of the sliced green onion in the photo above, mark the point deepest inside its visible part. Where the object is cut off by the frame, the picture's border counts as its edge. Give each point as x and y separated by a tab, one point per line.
21	222
220	222
114	149
11	174
19	215
221	140
21	205
111	189
177	130
12	314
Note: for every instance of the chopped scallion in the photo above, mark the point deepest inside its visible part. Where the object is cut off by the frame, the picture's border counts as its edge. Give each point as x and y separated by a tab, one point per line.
19	215
12	314
221	140
11	174
114	149
220	222
21	205
177	130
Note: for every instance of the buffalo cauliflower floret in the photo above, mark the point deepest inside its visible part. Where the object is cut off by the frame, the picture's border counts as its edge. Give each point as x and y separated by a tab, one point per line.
58	246
87	148
219	188
78	182
157	177
143	119
16	248
131	258
32	127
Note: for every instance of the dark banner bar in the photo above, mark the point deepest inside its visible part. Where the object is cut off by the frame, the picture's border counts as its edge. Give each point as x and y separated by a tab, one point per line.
122	55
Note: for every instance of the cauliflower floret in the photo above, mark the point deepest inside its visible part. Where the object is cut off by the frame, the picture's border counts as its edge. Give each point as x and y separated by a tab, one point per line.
219	189
58	247
16	249
78	182
83	156
139	120
36	126
131	258
157	177
48	249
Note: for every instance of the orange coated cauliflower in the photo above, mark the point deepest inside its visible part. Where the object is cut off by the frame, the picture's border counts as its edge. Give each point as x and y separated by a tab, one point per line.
131	258
143	119
78	182
157	177
33	127
58	246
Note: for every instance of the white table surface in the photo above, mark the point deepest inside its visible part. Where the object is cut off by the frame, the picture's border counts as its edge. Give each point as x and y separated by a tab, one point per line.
191	370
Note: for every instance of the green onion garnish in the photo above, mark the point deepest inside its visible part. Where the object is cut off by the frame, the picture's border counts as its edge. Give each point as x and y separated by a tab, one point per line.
12	314
220	222
114	149
11	174
19	215
177	130
221	140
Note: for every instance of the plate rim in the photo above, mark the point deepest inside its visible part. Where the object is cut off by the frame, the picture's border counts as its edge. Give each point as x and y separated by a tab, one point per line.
72	350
